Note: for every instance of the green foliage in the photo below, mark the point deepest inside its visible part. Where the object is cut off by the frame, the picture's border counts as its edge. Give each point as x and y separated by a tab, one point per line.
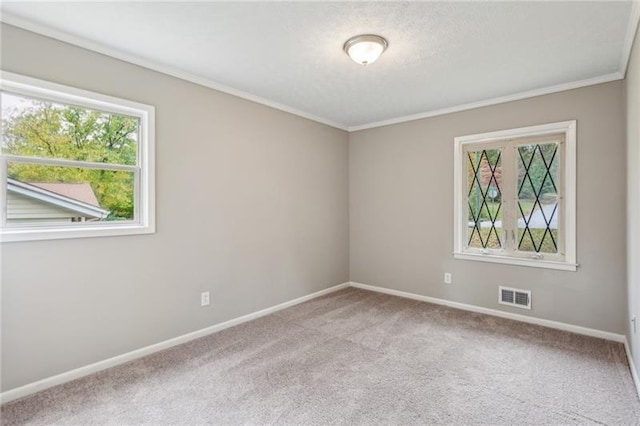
537	176
484	171
114	189
44	129
540	158
542	238
488	211
527	244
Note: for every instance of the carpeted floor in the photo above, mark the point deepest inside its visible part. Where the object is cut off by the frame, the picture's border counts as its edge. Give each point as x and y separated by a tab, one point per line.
357	357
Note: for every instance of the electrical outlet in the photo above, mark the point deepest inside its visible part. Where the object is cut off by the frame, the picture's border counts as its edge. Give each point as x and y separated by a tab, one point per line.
204	299
447	278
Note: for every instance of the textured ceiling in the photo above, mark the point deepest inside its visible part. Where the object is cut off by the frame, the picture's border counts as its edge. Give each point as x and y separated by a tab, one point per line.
440	55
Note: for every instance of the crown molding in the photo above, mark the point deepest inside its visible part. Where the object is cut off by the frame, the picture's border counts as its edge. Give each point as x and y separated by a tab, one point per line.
47	31
500	100
175	72
632	29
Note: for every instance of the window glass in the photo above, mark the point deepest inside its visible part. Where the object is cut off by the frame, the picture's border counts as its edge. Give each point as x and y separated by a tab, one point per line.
538	206
515	196
73	163
484	198
109	190
42	128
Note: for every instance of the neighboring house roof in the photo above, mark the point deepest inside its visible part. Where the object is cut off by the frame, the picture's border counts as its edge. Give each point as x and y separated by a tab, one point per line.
62	195
78	191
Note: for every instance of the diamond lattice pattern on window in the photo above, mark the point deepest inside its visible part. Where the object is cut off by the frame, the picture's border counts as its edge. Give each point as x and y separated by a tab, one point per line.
538	208
484	181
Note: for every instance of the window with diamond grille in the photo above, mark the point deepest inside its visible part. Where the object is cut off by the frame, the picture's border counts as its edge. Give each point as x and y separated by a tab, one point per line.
515	196
537	197
484	179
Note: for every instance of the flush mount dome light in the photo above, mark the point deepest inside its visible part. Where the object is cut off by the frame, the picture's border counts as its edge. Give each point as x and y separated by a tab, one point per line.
365	49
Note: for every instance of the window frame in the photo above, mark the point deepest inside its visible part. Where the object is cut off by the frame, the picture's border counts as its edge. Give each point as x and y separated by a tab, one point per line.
513	138
144	169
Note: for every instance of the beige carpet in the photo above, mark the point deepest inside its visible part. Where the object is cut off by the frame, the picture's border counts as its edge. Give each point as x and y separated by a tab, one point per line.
356	357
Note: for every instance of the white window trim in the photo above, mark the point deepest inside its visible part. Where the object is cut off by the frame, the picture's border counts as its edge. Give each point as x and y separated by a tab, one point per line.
569	203
144	217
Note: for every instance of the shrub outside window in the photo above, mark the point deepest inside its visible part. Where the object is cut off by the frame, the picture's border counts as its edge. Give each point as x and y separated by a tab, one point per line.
515	196
73	163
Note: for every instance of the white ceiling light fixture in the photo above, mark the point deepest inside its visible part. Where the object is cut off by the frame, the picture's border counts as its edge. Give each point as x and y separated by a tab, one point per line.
366	48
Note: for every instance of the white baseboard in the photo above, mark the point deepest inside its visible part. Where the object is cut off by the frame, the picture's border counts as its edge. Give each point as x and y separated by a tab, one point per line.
632	367
58	379
620	338
34	387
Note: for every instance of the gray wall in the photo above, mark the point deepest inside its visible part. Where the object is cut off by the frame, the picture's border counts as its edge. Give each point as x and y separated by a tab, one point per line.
252	204
401	210
633	196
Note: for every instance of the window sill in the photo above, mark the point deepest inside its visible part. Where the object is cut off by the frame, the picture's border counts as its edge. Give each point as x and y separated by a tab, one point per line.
60	233
534	263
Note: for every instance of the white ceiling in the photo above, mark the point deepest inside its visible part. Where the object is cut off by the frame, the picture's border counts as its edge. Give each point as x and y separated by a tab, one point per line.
441	55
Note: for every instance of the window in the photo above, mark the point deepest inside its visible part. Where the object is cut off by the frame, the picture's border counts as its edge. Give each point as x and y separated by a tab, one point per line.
73	163
515	196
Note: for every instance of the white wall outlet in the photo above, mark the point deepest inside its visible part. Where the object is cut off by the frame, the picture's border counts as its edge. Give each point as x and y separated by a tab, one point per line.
447	278
204	299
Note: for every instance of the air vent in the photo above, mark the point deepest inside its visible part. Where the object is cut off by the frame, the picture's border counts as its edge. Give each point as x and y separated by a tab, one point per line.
514	297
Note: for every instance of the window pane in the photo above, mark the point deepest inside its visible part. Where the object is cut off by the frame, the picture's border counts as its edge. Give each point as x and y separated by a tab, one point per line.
484	199
53	194
39	128
538	207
